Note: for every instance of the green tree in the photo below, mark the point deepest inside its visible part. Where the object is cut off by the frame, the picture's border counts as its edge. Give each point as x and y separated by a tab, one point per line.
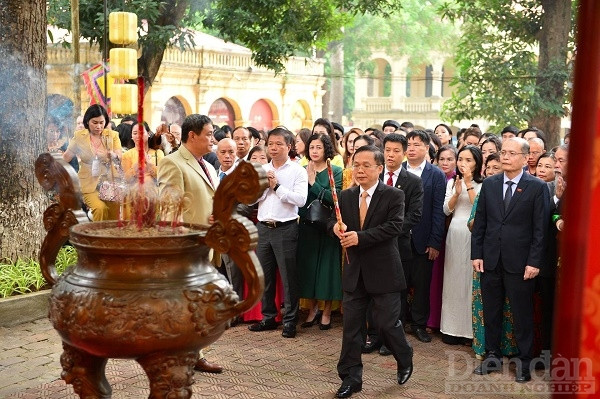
415	31
273	29
512	62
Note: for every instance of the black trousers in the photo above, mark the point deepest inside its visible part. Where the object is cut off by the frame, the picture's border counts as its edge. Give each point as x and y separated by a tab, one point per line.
277	249
495	285
417	272
386	314
234	275
546	288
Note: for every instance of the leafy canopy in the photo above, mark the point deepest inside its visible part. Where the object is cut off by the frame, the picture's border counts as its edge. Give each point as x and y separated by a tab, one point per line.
273	29
497	75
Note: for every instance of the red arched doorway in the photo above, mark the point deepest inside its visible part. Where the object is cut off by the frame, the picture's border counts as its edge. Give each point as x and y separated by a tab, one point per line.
261	116
221	113
174	111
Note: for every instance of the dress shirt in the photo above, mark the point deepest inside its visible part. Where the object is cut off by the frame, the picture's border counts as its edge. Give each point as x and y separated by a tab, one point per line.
516	180
371	191
417	170
282	205
228	171
386	175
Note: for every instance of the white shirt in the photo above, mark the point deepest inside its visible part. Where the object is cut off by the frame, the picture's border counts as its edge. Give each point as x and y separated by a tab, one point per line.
516	180
416	170
228	171
371	191
282	205
395	174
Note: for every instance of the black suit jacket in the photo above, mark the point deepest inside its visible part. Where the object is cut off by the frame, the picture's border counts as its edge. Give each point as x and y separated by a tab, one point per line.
412	187
516	236
376	256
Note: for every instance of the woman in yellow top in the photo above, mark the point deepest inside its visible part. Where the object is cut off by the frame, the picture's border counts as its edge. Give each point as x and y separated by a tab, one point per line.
95	146
131	157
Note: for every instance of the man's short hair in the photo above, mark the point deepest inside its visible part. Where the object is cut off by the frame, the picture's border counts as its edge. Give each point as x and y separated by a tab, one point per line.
421	134
396	138
407	125
242	128
193	123
283	132
510	129
524	144
377	154
391	122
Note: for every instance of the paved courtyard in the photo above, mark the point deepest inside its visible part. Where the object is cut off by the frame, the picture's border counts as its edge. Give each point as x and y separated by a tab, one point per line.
264	365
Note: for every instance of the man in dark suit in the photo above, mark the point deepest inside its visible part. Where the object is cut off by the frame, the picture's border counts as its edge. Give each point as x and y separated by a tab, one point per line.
426	235
394	147
372	213
507	247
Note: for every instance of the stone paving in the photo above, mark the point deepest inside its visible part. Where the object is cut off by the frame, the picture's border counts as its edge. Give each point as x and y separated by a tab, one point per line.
264	365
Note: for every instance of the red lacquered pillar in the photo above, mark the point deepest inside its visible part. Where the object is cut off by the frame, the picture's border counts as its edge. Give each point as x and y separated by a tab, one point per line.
577	308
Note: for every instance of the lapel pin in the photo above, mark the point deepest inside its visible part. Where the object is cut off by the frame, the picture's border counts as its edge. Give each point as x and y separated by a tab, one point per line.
519	190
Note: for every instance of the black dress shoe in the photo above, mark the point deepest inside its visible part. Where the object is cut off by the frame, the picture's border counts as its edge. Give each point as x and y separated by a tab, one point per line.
404	374
384	351
314	321
289	330
489	365
264	325
346	390
422	335
371	346
324	326
523	376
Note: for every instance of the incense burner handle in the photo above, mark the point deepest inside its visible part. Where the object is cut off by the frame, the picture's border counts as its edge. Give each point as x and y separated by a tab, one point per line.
61	184
237	236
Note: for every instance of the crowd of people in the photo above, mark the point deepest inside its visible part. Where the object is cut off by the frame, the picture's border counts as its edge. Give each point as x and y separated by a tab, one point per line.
441	231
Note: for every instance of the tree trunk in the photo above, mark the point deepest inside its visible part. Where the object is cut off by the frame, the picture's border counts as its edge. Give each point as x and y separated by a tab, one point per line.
554	38
22	133
152	54
336	99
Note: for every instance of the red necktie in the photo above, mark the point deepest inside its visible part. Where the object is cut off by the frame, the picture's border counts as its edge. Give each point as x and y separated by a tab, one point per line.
390	181
205	170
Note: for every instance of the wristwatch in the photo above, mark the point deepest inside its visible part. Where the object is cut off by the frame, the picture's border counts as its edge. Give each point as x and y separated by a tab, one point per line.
276	187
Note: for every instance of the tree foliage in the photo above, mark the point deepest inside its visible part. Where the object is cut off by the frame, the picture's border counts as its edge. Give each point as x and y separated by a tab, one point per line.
415	31
273	29
498	75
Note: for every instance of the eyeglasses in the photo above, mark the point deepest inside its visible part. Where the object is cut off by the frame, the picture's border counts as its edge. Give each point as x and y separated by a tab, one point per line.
510	154
363	167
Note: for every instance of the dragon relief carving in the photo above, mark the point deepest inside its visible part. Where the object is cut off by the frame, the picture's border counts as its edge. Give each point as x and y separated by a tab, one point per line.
126	318
210	305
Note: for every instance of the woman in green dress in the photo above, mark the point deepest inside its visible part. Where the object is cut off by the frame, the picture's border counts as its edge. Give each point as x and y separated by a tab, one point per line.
319	254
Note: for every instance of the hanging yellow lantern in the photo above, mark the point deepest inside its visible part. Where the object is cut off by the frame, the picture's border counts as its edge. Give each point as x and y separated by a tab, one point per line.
124	98
122	28
123	63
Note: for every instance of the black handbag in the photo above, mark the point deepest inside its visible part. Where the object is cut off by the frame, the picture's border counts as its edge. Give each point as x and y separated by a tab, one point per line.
318	213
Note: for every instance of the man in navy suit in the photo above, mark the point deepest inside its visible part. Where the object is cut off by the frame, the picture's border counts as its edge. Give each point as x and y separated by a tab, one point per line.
372	215
507	247
427	235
